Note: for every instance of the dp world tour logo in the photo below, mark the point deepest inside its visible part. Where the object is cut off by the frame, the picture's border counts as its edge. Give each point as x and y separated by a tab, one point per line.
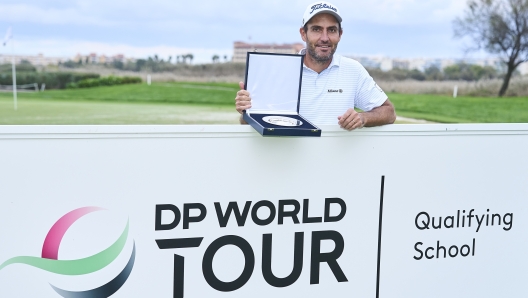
49	260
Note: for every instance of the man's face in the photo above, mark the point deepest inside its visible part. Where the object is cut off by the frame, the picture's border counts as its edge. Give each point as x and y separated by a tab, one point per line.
322	37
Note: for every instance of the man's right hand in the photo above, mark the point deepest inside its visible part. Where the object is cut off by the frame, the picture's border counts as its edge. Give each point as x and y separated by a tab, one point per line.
243	101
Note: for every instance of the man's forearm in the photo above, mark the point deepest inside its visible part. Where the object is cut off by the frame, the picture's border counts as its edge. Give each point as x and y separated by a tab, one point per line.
384	114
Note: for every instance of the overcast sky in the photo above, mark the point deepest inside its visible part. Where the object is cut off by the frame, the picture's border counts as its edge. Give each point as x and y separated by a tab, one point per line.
394	28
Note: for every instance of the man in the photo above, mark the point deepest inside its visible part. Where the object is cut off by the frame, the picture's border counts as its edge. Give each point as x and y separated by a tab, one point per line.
332	85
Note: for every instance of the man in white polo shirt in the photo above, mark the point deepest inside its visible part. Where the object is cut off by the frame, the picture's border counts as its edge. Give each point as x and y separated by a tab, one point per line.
332	85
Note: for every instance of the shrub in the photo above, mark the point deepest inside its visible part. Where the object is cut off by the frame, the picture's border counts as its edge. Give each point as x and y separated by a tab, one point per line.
24	66
53	80
105	81
71	64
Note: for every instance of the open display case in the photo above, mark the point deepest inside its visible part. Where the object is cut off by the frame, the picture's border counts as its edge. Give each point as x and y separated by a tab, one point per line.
274	83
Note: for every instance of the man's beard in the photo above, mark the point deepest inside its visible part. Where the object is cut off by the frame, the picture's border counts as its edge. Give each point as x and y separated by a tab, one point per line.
319	58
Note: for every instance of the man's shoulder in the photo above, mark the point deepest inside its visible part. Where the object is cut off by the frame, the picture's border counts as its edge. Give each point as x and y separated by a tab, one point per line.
349	62
350	67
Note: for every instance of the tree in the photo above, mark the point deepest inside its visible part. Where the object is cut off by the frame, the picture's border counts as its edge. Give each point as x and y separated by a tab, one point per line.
415	74
433	73
118	64
469	72
187	56
140	64
216	58
498	27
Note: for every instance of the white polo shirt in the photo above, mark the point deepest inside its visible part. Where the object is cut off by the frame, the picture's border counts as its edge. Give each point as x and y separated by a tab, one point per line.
344	84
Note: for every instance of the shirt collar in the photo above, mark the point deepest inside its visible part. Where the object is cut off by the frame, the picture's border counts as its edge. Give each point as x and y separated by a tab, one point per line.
336	60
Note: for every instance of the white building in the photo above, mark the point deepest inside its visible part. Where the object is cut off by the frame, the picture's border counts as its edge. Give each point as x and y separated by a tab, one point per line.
421	64
94	58
417	64
38	60
386	64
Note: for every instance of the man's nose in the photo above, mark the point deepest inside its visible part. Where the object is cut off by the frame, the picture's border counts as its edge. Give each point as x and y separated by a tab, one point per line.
324	36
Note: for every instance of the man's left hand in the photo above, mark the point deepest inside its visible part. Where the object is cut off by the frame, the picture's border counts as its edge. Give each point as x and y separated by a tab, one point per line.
351	120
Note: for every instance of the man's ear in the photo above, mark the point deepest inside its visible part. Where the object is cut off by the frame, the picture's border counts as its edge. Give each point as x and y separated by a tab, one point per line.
303	34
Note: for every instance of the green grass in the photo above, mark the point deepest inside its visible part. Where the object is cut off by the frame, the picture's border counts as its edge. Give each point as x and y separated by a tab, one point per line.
213	103
38	111
189	93
464	109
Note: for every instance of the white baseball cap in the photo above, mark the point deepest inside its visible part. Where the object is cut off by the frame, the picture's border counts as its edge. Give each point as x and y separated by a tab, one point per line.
321	7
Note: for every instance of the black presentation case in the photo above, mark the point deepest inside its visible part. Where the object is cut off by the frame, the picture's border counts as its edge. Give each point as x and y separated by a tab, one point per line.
274	82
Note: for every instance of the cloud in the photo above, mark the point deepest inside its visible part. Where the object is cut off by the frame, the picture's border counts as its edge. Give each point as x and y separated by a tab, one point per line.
139	28
402	12
121	12
236	12
61	16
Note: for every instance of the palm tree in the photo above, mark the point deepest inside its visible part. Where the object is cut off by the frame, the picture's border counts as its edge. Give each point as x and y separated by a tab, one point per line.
215	58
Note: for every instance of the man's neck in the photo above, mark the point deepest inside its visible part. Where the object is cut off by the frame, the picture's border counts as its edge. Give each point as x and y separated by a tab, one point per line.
315	65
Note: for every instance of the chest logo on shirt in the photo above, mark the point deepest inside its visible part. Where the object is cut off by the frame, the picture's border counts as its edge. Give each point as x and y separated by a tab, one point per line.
335	90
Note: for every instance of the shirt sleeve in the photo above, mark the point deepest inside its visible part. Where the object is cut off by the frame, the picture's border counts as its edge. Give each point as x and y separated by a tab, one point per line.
368	95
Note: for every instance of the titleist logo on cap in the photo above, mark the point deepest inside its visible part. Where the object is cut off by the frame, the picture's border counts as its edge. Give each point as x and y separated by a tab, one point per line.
321	6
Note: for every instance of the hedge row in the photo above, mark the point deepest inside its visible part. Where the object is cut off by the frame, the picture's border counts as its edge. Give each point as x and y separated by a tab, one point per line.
105	81
53	80
19	67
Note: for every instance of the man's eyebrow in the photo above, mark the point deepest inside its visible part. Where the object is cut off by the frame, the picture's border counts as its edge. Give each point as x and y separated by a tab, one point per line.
320	27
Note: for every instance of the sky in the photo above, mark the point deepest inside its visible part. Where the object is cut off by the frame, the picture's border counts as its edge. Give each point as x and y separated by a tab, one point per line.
63	28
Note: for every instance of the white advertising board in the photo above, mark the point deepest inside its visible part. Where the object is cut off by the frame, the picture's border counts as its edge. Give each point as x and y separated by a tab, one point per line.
219	211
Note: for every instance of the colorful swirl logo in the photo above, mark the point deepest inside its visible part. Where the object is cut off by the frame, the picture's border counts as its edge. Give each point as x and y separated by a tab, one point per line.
50	262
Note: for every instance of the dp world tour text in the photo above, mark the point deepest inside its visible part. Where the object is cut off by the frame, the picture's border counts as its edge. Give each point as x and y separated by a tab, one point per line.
290	211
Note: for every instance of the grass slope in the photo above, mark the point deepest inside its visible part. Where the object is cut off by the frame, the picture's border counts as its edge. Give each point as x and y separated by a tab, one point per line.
41	112
462	109
195	93
200	102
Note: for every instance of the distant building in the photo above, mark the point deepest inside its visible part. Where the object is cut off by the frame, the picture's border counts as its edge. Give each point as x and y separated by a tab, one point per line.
386	64
39	60
119	58
447	62
523	68
103	59
421	64
240	49
93	58
417	64
368	62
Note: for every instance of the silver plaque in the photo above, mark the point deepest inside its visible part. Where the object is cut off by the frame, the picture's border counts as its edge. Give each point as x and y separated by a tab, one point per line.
282	121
